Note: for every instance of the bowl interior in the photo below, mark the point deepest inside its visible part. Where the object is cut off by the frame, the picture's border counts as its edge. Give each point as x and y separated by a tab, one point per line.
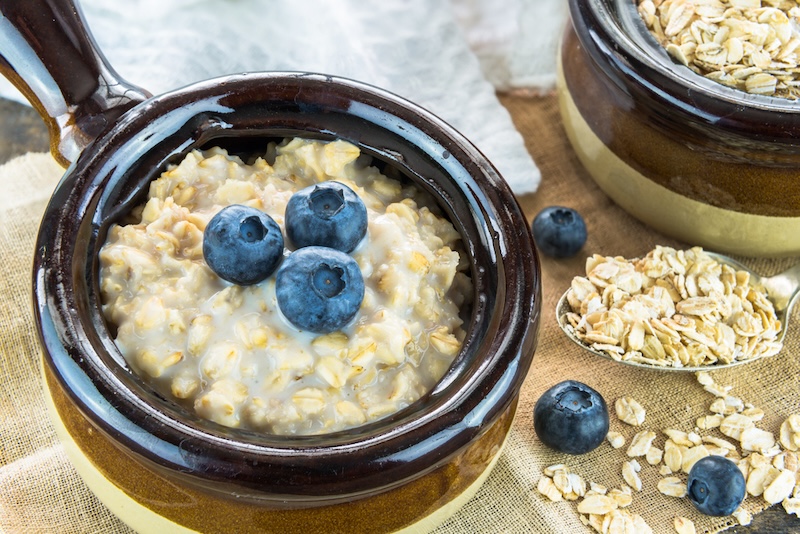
254	143
621	22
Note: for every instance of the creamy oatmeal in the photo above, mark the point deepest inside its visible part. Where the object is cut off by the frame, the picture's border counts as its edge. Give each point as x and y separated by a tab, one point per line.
226	350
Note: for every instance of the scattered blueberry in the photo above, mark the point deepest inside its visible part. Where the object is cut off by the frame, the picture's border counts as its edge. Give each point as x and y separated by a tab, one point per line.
716	486
559	232
319	289
242	245
571	417
328	214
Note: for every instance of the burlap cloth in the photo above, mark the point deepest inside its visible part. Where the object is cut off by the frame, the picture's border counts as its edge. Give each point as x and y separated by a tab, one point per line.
40	492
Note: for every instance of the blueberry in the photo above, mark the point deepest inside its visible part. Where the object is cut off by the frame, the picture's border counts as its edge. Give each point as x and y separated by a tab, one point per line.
319	289
559	232
716	486
571	417
328	214
242	245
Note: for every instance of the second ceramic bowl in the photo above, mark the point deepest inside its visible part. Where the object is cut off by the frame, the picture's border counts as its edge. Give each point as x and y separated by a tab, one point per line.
699	161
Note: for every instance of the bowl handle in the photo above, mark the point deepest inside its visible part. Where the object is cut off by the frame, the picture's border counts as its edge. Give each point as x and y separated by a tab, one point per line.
49	55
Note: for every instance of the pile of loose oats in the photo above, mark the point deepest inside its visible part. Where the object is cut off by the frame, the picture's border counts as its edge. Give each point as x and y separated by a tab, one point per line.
602	509
751	45
672	308
770	465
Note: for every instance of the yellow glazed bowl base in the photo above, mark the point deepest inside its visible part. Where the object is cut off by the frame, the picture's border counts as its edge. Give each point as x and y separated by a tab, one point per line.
691	221
144	520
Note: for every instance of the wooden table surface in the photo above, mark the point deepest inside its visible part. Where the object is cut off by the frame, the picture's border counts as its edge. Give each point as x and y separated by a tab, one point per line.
21	131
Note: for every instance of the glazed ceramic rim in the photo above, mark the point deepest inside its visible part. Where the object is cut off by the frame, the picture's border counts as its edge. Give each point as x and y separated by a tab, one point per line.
485	378
622	38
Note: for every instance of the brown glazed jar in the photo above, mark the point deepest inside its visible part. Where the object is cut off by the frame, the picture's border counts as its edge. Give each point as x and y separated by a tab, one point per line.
152	462
699	161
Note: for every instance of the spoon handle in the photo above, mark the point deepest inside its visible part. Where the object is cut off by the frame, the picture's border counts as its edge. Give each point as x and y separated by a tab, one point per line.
783	288
48	54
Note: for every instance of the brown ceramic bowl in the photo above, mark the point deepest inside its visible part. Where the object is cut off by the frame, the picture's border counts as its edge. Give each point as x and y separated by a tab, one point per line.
702	162
160	467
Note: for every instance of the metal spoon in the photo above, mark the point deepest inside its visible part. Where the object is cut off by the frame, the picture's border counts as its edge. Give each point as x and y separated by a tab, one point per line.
782	290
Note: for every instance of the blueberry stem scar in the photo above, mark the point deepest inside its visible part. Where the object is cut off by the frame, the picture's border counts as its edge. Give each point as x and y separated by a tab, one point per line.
328	281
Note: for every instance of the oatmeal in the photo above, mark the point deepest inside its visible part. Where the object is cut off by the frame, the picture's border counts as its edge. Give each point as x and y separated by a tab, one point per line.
672	308
751	45
226	350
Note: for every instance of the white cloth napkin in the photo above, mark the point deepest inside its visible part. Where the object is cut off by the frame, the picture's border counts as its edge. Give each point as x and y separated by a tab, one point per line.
448	56
515	40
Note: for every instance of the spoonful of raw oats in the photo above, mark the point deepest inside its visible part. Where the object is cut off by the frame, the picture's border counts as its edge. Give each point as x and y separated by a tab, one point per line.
684	310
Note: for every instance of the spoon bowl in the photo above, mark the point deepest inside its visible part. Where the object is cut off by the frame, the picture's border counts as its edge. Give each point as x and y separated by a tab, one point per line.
782	290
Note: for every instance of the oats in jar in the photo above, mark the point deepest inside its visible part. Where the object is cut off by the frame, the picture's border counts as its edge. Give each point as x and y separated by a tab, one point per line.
227	352
749	45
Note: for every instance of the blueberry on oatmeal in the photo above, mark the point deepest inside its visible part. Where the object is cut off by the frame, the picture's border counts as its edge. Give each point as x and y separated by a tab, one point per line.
328	214
242	245
319	289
